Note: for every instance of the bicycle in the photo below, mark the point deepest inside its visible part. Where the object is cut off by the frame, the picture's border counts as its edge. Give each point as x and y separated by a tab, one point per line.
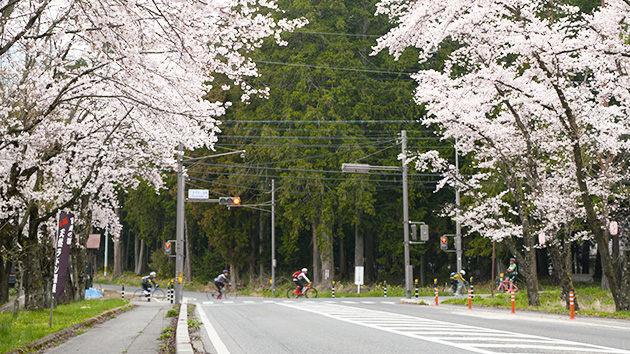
308	292
154	293
507	285
226	293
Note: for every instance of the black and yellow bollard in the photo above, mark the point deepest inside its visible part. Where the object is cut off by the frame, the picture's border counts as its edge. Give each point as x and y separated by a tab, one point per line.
385	288
333	289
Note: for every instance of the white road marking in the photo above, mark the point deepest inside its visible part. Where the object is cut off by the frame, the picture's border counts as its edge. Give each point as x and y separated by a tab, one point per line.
471	338
212	333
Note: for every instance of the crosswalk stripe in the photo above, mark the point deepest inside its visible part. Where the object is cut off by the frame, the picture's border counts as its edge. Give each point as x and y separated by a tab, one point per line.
471	338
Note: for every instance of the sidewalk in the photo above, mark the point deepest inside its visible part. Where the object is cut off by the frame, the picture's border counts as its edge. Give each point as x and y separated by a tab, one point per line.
132	332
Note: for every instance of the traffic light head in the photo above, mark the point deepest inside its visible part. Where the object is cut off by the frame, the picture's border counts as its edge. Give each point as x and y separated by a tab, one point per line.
444	243
230	201
167	248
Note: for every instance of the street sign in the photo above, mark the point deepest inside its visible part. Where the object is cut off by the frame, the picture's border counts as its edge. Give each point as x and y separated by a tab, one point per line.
358	275
198	194
614	228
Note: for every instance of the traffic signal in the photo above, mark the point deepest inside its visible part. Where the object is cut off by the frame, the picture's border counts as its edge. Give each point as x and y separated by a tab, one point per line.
424	232
167	248
230	201
444	243
414	232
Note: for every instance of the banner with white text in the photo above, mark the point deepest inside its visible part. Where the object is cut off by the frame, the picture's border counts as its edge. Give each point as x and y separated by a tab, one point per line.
62	252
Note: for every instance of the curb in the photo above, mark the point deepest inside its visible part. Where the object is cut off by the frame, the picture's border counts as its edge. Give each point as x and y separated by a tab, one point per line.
67	332
182	338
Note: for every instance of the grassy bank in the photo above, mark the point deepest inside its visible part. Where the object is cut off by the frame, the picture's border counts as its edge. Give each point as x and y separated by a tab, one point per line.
29	326
592	301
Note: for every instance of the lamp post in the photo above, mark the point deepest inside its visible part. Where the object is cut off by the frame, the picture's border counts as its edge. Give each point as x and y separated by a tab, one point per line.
365	168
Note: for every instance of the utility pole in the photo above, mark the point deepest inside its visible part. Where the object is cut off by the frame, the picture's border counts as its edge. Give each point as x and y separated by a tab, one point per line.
273	236
458	227
179	245
408	268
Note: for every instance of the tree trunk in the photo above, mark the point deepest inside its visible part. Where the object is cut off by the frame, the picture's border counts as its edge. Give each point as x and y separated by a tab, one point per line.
343	267
261	249
140	259
5	270
561	257
117	270
370	267
325	241
35	289
527	264
316	273
359	246
622	302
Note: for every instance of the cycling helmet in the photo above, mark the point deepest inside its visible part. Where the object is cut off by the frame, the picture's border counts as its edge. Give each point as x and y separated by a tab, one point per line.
152	273
512	260
463	272
225	271
304	270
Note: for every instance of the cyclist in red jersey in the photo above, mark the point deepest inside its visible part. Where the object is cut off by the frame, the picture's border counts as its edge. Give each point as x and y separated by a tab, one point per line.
300	278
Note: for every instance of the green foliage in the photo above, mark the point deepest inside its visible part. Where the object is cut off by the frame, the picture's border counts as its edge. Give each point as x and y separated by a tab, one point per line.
193	323
168	332
172	313
29	326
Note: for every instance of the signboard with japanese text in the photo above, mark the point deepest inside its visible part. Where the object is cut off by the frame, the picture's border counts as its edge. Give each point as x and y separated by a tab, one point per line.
62	253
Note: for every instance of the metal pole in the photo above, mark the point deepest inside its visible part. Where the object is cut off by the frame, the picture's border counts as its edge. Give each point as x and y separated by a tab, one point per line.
105	265
458	227
179	245
273	236
408	270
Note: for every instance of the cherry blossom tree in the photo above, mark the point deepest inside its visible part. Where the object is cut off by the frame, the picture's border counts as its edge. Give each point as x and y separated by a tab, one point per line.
536	93
96	94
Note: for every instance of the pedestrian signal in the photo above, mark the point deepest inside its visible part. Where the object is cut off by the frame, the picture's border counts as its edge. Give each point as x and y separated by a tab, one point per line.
444	243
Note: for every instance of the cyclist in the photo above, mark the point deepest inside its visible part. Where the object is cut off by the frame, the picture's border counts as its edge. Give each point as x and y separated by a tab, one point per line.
298	277
512	270
220	281
457	282
147	280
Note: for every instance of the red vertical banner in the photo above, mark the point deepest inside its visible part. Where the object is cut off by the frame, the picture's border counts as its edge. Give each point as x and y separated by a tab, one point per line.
62	252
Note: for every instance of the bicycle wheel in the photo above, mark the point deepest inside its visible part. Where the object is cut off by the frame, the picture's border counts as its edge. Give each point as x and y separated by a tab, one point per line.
159	294
138	293
291	294
312	292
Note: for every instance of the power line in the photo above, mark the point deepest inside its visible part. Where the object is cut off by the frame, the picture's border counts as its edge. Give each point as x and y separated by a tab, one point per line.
338	34
323	122
295	137
335	68
308	171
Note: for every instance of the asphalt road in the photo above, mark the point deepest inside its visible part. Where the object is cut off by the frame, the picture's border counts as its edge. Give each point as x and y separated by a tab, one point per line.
384	325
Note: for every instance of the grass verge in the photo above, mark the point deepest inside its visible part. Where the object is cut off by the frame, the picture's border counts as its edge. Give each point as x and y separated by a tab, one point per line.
30	326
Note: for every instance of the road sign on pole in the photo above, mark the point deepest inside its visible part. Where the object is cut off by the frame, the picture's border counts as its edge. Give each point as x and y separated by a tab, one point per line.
198	194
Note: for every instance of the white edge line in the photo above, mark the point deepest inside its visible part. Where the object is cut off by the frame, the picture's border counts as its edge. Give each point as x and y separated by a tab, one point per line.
212	333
